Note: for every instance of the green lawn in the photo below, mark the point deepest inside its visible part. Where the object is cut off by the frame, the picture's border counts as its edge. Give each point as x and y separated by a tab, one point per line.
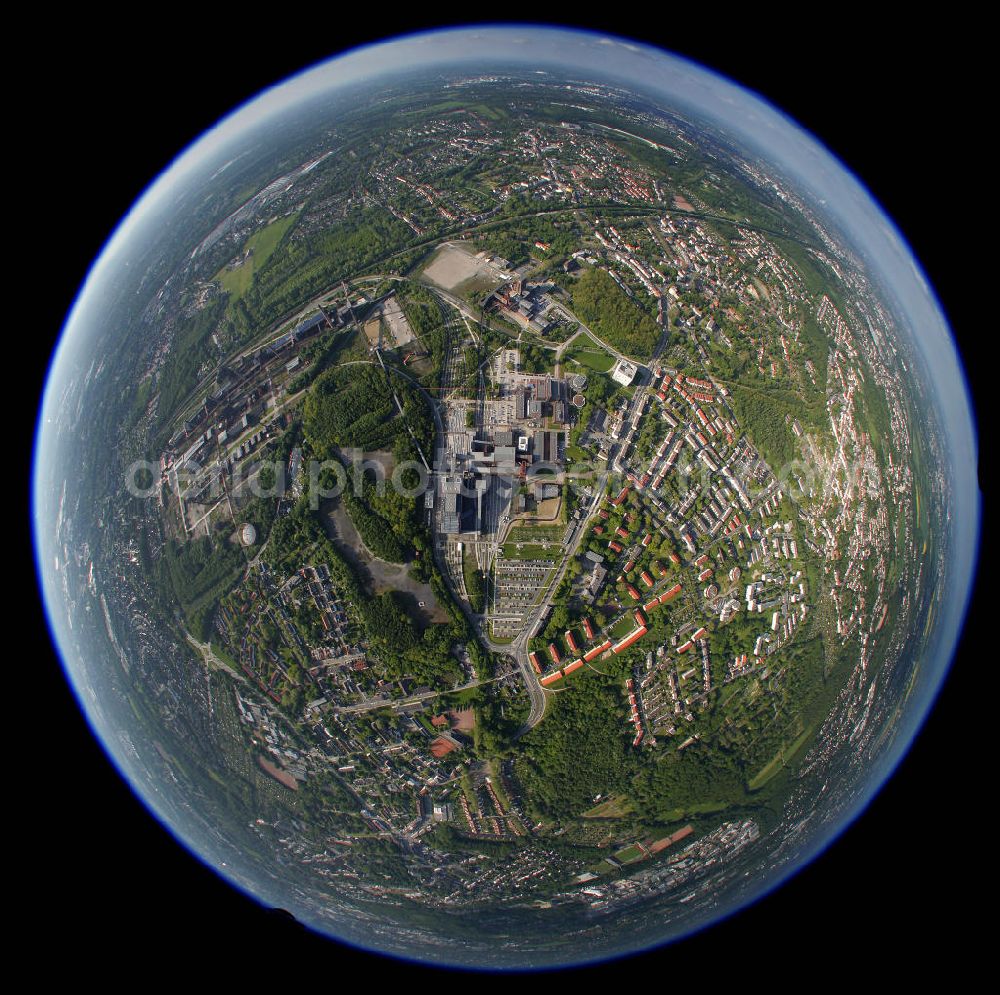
700	808
236	282
782	757
223	654
530	551
585	351
536	533
602	868
629	854
626	623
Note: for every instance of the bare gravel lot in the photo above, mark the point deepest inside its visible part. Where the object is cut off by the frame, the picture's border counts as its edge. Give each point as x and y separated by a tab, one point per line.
455	265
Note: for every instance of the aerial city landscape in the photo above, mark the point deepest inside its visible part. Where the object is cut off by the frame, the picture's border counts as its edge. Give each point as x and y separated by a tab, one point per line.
497	492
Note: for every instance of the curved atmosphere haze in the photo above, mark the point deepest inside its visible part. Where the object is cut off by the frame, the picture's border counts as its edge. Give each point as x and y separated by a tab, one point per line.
506	495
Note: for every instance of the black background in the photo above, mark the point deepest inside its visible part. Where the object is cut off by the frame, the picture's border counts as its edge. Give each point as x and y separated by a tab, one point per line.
892	107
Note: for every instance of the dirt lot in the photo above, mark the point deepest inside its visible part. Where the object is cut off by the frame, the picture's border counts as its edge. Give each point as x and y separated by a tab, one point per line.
397	322
464	719
278	774
455	265
546	511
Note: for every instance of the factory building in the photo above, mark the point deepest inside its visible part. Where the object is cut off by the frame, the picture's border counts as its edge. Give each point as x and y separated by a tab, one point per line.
451	504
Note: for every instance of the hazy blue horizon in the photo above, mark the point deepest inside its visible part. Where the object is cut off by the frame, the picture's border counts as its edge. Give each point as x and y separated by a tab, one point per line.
746	118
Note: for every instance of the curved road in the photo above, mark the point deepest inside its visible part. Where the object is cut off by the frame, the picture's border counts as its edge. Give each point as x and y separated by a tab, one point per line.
479	623
518	648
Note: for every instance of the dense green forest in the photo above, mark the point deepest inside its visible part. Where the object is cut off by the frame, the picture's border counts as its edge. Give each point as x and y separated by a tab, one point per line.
816	345
304	267
516	241
307	266
766	416
190	351
682	783
352	406
579	751
319	355
376	533
198	573
600	303
348	406
423	313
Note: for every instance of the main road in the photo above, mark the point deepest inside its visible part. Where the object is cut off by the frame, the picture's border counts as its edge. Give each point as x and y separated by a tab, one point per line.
518	648
371	706
578	529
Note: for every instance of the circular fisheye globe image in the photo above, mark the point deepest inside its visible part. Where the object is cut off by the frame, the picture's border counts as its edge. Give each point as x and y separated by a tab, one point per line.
506	496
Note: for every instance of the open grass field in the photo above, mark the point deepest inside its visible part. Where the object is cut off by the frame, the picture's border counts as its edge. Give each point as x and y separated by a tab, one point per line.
531	551
611	808
782	757
236	280
585	351
536	533
624	625
702	808
629	854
